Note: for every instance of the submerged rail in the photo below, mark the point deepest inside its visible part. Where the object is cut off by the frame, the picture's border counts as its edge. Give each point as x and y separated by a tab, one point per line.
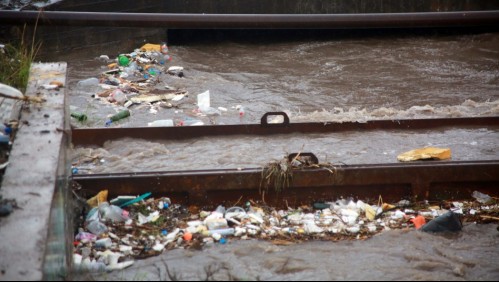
98	136
255	21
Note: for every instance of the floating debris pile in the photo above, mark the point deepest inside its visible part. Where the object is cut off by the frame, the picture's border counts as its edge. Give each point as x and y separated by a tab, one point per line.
116	233
138	80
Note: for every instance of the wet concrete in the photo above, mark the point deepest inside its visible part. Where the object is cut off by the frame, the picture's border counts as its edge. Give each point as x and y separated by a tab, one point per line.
32	178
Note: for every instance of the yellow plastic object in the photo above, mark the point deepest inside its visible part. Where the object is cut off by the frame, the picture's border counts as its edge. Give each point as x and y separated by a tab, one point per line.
151	47
370	213
101	197
425	154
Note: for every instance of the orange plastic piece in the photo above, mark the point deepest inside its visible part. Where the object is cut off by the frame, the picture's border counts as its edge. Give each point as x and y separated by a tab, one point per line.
419	221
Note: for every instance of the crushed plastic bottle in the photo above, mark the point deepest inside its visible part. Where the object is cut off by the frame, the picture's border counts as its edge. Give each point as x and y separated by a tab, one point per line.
118	97
481	197
113	213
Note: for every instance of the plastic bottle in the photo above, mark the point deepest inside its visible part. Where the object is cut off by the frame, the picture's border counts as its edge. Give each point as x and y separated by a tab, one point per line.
164	48
132	68
123	61
241	111
104	243
5	129
121	115
191	122
96	227
223	232
88	82
161	123
79	116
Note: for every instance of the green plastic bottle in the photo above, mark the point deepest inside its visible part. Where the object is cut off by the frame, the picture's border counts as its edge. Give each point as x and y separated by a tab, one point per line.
79	116
123	61
121	115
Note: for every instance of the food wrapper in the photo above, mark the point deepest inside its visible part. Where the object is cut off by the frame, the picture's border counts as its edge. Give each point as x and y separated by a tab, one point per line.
151	47
425	154
101	197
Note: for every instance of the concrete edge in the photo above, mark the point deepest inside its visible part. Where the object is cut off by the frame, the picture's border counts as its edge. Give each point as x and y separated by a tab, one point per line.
30	247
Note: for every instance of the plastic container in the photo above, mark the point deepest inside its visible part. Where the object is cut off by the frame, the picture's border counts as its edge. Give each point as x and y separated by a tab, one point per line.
204	100
4	139
119	116
79	116
215	224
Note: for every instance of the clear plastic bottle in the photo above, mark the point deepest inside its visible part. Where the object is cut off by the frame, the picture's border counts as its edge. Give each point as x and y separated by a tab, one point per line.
161	123
164	49
241	111
191	122
89	82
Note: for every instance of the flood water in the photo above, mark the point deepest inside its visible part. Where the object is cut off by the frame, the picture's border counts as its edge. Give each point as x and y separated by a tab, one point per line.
316	79
393	255
313	79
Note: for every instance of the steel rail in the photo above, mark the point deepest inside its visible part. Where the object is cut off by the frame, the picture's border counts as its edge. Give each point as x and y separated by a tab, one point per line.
98	136
437	180
255	21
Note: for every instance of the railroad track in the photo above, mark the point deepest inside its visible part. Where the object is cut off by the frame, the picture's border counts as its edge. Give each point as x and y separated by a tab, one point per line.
435	180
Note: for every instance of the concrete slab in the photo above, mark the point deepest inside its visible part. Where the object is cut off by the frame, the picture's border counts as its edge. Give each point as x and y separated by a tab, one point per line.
32	177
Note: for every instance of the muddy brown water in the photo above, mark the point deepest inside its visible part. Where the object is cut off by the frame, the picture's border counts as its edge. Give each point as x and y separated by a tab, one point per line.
394	255
333	79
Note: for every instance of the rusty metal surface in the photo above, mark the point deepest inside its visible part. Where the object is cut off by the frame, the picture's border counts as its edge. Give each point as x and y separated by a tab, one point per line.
421	180
255	21
98	136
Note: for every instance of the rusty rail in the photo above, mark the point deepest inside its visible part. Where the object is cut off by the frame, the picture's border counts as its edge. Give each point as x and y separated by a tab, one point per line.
423	180
98	136
255	21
